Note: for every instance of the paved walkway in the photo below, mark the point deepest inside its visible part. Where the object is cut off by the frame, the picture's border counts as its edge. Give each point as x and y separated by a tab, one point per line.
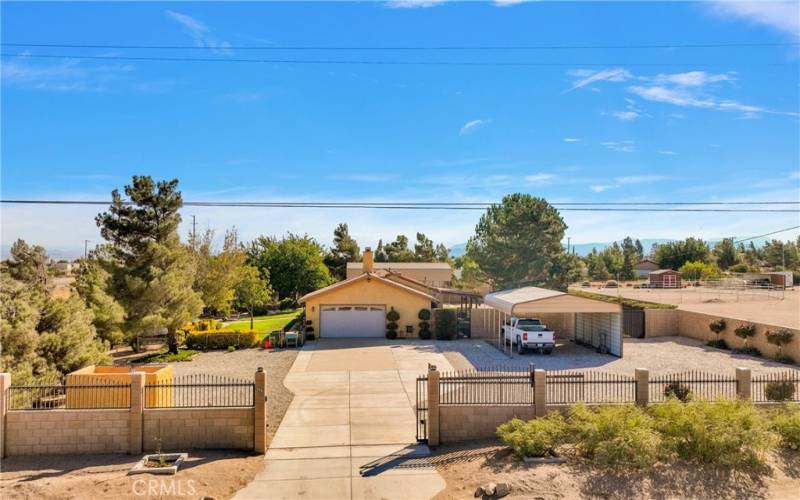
351	425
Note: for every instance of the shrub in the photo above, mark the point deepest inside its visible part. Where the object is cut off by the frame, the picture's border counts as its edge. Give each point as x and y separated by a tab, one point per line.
779	390
717	326
780	338
536	438
614	435
392	315
424	314
749	350
231	348
220	340
446	324
391	334
391	326
424	326
718	344
287	303
726	432
739	268
681	392
786	423
745	331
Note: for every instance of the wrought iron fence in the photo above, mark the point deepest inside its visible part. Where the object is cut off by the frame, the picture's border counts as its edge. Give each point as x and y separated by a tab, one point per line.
776	387
497	387
422	409
591	387
200	391
60	396
692	384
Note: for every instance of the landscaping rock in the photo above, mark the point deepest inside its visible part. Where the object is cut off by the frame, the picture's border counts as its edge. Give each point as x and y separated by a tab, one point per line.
478	492
489	489
502	490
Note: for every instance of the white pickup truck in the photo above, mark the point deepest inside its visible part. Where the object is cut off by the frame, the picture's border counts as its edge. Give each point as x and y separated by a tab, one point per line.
528	333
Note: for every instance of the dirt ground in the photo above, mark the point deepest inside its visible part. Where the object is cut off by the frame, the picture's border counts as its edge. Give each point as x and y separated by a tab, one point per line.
214	474
466	467
774	307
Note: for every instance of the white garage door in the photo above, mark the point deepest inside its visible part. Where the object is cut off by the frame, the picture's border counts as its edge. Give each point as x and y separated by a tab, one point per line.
352	321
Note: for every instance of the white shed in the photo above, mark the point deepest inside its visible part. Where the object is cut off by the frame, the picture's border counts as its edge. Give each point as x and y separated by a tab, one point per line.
597	322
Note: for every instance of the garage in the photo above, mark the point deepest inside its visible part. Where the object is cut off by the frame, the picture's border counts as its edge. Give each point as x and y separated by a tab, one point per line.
597	324
352	321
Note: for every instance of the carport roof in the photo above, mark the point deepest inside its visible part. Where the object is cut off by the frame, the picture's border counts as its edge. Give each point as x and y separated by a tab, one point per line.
531	299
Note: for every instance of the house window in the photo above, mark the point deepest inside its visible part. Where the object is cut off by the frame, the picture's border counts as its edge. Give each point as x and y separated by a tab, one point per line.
409	329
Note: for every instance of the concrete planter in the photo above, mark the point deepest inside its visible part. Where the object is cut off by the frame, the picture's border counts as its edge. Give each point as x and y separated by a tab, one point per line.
173	462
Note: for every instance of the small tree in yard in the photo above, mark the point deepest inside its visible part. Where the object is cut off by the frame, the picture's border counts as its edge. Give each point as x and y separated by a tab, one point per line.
780	338
744	332
717	327
391	326
446	324
424	325
252	291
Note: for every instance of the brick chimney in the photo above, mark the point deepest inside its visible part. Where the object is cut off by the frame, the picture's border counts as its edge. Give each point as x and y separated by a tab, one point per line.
366	260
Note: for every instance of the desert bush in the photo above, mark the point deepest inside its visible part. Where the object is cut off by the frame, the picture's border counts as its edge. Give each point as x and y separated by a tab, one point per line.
681	392
614	435
779	390
786	423
535	438
446	324
727	432
220	340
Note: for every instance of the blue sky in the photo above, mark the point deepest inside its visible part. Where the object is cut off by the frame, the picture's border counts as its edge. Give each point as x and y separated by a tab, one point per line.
675	124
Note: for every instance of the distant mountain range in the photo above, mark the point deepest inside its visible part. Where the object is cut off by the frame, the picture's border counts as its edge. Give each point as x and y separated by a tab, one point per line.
584	249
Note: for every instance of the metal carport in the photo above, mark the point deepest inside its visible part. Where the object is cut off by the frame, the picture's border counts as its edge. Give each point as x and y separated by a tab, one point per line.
596	321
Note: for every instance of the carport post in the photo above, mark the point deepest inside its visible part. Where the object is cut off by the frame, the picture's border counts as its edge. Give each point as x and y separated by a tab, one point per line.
540	392
642	377
743	383
433	406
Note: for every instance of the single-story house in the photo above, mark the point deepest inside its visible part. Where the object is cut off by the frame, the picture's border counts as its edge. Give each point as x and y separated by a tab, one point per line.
357	306
644	267
437	274
665	278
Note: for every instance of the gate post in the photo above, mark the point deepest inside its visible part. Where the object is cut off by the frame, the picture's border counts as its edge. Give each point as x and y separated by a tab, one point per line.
433	406
540	392
260	412
136	413
642	377
743	383
5	383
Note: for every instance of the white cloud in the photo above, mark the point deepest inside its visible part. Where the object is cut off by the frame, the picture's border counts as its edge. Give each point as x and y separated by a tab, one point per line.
640	179
587	77
599	188
626	116
472	126
672	96
667	152
620	146
780	16
199	32
794	176
571	139
66	76
540	178
413	4
508	3
692	78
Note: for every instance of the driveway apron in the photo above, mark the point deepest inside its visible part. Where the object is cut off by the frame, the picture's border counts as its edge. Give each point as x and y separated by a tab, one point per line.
350	432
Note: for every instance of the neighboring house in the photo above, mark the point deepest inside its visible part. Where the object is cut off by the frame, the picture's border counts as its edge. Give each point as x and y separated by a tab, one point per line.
62	266
644	267
665	278
357	306
437	274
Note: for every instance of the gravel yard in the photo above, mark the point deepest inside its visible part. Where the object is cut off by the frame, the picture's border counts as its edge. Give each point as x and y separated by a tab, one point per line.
659	355
243	364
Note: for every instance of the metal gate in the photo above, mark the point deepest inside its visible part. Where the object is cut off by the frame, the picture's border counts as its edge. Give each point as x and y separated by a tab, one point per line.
633	322
422	409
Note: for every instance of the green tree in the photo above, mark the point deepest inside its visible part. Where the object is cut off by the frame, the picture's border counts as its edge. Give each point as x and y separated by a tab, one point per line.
781	255
613	259
726	254
471	275
67	338
596	266
380	253
423	249
639	250
442	253
20	306
152	273
294	265
518	242
91	285
345	249
398	251
674	254
217	273
28	263
699	271
252	291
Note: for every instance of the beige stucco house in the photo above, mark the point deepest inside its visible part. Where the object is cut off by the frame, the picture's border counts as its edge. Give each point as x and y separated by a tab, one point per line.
435	274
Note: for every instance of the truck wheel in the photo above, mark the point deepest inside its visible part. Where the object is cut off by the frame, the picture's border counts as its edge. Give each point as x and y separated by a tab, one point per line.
549	350
520	347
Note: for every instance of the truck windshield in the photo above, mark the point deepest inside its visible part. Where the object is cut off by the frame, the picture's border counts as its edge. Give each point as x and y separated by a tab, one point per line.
530	325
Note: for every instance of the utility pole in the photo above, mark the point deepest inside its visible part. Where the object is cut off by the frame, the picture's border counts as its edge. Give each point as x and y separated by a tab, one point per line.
85	249
194	228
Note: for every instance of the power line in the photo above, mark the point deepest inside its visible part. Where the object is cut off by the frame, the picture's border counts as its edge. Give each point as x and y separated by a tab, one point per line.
365	62
407	48
402	206
765	234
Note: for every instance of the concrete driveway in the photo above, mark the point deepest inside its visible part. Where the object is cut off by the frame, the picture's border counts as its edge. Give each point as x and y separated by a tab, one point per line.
351	425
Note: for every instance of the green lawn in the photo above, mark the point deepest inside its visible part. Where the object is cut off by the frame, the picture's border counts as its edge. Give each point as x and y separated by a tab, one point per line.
264	324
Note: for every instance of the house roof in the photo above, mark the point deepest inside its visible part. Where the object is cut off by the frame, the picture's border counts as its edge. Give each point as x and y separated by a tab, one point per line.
663	271
531	299
362	277
646	261
401	265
